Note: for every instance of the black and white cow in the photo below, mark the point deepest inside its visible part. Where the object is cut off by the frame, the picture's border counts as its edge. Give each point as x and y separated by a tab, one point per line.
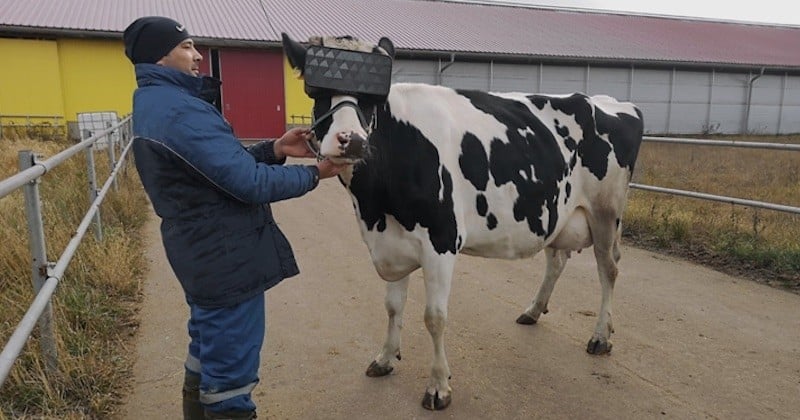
450	171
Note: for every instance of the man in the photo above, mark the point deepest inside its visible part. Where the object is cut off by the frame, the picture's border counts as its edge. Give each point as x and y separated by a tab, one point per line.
213	197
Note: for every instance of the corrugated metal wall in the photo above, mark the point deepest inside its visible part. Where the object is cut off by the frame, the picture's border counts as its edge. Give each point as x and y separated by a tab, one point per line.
63	78
673	101
30	81
95	77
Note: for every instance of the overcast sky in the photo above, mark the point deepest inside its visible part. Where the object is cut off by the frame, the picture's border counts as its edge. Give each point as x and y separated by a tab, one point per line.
766	11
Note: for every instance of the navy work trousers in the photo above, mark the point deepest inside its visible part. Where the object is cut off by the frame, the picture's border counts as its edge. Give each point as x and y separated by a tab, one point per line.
225	351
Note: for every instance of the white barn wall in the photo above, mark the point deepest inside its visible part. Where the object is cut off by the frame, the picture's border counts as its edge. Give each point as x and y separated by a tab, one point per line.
515	78
790	109
673	101
466	75
614	82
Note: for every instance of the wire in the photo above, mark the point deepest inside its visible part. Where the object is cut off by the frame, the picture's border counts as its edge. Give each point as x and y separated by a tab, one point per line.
269	21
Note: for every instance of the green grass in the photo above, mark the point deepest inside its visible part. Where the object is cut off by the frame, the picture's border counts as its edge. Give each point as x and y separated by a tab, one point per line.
96	302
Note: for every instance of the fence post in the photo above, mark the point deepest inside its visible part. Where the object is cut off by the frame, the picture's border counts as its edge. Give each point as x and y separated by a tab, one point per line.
98	228
111	153
39	262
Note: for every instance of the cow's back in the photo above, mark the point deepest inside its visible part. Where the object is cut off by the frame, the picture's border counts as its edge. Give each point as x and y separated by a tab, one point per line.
496	175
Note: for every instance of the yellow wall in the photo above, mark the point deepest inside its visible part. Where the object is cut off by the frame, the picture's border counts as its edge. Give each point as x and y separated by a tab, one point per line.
62	78
297	102
96	76
29	78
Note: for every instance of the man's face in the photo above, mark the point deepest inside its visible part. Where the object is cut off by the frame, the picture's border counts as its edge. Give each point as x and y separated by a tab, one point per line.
184	58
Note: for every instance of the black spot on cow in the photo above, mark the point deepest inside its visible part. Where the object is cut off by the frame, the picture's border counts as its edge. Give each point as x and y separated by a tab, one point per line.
491	221
625	134
592	149
531	160
481	205
473	162
403	177
567	191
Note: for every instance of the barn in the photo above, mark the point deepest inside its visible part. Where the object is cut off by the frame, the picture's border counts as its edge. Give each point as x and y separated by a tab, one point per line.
689	76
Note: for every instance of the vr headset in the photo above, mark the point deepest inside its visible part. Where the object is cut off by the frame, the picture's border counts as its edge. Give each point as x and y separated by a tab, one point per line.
330	70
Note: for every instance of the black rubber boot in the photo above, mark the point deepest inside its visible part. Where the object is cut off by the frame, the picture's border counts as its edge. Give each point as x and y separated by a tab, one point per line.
230	415
192	409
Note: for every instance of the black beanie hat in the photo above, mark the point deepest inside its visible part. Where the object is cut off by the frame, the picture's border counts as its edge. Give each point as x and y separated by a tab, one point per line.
150	38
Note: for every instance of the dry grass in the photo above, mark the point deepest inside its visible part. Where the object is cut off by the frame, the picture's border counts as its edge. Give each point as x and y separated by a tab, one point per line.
96	301
761	244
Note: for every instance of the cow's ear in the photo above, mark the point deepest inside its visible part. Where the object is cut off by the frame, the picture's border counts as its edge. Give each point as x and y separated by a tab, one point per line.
295	52
387	46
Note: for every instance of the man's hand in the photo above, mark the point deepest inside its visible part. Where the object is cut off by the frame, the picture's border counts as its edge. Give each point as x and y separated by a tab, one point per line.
328	169
294	143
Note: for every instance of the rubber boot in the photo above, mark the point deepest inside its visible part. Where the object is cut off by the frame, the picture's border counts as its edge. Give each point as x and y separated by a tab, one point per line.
192	409
230	415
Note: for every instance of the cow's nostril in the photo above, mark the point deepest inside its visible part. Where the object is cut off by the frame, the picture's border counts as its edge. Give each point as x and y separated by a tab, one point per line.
343	138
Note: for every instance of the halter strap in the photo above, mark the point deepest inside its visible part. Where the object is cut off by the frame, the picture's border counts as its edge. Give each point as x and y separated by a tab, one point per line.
329	114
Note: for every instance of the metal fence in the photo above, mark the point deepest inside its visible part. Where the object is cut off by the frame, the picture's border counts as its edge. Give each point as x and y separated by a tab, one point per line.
45	274
721	198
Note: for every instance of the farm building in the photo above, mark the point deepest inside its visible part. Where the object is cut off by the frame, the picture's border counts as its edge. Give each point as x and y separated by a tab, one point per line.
65	57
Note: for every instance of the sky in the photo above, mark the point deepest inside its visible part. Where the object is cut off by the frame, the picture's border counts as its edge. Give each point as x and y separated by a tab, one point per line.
761	11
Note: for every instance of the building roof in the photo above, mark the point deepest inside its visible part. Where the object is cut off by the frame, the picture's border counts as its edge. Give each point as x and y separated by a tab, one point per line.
420	27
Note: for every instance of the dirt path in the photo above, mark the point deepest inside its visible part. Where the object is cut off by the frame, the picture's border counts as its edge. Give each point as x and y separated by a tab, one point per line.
690	342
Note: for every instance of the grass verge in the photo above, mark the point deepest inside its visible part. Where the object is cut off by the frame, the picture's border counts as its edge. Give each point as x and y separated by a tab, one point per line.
760	244
96	302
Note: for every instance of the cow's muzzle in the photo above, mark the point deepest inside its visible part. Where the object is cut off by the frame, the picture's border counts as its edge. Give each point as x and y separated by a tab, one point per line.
352	145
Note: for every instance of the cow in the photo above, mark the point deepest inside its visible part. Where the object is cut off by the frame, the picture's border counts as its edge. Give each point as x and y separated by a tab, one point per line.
435	171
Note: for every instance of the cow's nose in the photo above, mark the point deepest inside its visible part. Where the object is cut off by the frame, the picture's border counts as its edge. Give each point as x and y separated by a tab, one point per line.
352	145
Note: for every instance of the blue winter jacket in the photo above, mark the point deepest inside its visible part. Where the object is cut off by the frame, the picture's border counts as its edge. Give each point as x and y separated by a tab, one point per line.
211	193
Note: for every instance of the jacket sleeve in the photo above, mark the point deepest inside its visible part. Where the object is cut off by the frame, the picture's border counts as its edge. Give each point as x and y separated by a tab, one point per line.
264	151
201	137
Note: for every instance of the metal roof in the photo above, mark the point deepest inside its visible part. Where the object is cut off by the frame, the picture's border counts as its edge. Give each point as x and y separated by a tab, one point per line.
417	26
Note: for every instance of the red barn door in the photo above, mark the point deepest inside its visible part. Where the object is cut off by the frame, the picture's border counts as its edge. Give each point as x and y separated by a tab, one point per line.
252	91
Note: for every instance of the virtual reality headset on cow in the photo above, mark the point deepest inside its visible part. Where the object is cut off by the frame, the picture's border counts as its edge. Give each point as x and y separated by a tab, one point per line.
331	66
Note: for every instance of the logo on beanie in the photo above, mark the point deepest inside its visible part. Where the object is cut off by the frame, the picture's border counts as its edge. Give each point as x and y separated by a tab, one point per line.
180	28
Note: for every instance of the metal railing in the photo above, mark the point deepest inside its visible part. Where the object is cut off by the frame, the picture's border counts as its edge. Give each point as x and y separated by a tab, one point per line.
46	275
721	198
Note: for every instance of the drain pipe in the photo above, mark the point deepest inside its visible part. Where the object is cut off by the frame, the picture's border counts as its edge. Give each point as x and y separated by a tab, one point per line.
442	69
750	84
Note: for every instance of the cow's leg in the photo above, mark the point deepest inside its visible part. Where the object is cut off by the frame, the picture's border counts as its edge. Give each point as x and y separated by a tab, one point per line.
556	260
438	276
605	235
395	301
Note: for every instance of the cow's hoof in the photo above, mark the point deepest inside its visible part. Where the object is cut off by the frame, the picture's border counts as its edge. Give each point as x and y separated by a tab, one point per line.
375	370
435	402
526	319
598	347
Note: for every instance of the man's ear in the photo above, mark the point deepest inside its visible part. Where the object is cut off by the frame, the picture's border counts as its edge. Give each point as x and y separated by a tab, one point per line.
387	46
295	52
